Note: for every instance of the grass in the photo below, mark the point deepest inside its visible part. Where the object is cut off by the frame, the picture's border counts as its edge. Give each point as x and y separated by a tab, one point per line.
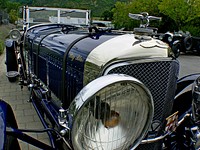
4	31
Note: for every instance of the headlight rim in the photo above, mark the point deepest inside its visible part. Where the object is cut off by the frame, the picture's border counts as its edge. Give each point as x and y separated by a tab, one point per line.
14	31
170	38
118	78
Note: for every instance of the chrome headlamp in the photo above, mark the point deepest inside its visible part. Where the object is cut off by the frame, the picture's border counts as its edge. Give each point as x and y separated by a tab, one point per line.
196	100
111	112
15	35
170	38
160	37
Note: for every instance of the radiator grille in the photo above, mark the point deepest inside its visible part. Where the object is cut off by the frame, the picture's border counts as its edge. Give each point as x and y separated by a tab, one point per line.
160	77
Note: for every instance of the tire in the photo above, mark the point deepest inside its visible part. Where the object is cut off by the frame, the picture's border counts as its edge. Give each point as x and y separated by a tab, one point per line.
176	48
198	48
11	60
198	53
187	43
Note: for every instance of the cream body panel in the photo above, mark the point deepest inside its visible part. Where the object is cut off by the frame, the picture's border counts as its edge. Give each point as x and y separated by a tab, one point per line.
127	46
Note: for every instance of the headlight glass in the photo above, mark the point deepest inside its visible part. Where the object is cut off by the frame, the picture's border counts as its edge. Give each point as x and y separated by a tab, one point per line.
160	37
170	38
15	35
115	117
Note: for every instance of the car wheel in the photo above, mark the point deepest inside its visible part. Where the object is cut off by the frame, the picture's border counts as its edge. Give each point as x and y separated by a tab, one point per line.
188	43
176	48
198	49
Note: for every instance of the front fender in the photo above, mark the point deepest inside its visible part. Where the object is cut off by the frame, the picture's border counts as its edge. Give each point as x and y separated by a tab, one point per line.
183	97
3	110
6	119
184	82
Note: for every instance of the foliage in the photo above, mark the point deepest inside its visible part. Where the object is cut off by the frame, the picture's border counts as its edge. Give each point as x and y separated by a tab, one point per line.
176	15
1	46
120	16
193	27
11	8
176	11
12	16
97	6
4	31
194	30
3	4
181	12
167	24
107	15
121	11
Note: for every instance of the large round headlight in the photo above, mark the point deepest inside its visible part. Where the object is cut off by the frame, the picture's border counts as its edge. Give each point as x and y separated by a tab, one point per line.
160	37
111	112
15	35
170	38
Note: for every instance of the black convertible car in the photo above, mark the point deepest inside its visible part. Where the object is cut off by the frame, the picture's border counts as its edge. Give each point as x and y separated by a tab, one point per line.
187	42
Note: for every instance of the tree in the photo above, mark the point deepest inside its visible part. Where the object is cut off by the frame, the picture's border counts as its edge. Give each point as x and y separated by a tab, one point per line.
107	15
180	11
13	11
121	11
120	15
3	4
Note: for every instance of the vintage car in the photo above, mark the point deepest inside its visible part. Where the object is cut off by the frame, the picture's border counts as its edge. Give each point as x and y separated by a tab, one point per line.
101	89
187	42
196	45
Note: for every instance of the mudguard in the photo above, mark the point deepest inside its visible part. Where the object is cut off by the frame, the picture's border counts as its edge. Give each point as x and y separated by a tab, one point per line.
183	97
3	107
7	119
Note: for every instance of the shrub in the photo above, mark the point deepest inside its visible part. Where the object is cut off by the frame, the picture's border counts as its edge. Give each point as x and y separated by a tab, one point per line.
194	30
1	47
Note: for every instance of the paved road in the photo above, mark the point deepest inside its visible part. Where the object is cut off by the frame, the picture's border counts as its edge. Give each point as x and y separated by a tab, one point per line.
24	111
189	64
